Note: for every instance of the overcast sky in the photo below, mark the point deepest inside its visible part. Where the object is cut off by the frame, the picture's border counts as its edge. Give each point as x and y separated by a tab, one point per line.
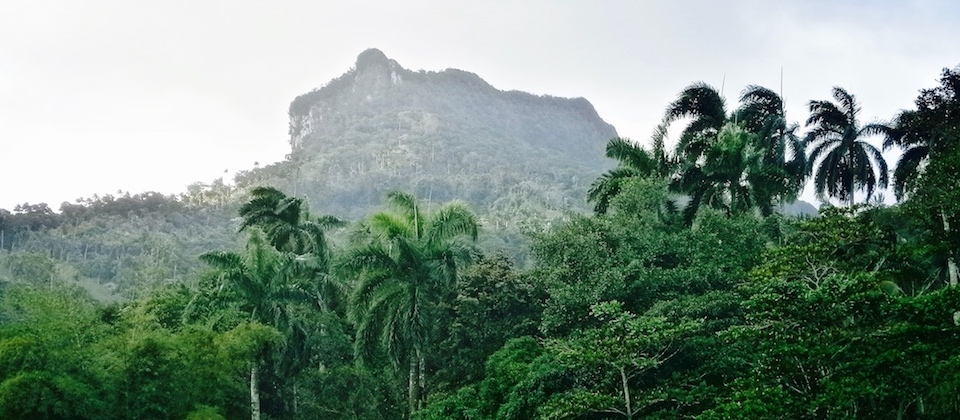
97	96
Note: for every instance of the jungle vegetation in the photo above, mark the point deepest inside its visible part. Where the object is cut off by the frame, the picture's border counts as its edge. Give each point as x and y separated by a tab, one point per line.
687	292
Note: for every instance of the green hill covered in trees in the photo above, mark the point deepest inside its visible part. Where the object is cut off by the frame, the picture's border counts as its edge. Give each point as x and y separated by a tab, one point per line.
442	135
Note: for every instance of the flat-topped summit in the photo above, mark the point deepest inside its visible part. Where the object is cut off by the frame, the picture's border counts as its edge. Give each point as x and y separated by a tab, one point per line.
443	135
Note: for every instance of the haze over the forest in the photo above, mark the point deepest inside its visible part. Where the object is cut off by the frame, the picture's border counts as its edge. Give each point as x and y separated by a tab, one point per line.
138	96
474	240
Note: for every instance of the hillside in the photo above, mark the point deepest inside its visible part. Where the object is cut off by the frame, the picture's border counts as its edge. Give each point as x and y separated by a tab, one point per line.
443	135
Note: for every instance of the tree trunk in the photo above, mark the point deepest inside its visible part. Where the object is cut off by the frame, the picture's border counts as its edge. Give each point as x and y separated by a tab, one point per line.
951	261
849	180
422	379
626	394
413	385
255	391
296	405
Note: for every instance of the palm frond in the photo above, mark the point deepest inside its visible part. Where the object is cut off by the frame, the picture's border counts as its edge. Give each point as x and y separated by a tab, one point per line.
330	222
698	101
289	209
874	155
372	256
607	186
908	169
848	104
818	150
388	226
406	204
876	129
630	154
222	260
907	130
373	319
262	198
452	220
761	98
759	106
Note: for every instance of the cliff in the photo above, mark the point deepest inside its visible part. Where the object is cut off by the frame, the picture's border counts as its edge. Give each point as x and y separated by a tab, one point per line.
442	135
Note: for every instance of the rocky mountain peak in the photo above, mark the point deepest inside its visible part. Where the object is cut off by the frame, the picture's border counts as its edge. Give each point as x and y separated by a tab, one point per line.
372	59
442	134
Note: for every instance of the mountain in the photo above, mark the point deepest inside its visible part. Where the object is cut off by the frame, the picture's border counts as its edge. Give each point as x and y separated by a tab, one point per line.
442	135
521	160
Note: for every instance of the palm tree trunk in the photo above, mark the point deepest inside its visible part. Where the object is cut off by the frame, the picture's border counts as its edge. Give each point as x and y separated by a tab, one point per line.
849	182
422	379
851	201
296	404
413	385
255	391
951	261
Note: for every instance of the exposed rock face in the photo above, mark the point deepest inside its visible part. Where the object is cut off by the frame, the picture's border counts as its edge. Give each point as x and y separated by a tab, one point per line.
380	89
442	135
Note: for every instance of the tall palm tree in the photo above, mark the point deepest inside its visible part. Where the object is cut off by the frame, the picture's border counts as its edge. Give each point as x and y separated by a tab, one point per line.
289	227
843	160
749	159
783	154
260	279
286	221
726	176
286	239
931	129
406	262
708	113
908	133
926	169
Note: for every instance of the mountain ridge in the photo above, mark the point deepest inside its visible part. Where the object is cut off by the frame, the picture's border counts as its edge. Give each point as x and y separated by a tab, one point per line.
442	135
375	76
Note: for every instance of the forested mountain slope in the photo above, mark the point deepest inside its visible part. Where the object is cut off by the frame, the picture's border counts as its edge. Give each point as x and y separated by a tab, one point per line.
441	135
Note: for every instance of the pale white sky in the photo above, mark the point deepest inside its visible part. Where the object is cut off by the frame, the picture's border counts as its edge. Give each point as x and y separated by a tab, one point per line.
98	95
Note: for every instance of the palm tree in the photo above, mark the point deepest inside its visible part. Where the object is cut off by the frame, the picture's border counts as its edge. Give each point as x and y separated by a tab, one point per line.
633	162
260	279
290	228
931	129
726	176
286	221
750	159
929	139
290	248
908	133
406	262
783	155
844	161
708	113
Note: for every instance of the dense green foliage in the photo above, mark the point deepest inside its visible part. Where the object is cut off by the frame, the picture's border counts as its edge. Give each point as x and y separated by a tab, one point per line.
641	310
119	246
